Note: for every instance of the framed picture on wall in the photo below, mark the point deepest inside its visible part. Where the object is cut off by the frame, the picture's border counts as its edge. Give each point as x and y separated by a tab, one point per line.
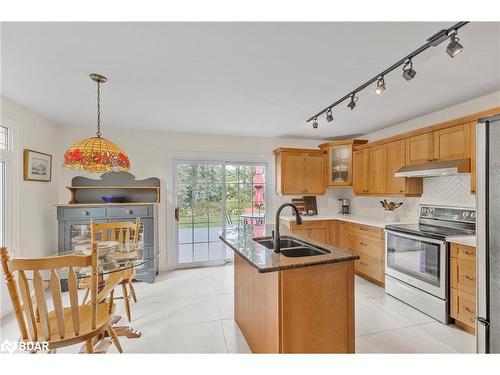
37	166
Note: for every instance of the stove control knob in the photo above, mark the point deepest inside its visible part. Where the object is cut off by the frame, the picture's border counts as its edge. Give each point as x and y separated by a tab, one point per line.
472	215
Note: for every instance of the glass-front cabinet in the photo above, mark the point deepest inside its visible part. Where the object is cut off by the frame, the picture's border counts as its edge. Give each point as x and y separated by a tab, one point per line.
339	166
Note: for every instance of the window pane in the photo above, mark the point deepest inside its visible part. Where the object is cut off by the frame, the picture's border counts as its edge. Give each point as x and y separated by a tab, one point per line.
4	138
2	204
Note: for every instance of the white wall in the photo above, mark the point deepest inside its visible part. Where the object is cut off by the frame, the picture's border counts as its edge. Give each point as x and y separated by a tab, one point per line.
151	154
34	229
451	190
459	110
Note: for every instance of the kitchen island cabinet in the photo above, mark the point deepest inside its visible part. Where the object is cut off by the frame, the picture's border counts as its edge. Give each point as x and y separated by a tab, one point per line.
292	305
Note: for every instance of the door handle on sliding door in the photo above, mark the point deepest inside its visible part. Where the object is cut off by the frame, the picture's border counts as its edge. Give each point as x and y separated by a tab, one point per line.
176	213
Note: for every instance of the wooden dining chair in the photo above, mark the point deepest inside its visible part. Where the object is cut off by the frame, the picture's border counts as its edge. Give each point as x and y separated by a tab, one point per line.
62	326
125	233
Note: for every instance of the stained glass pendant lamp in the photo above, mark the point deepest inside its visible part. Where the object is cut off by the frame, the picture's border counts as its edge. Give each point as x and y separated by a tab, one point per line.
97	154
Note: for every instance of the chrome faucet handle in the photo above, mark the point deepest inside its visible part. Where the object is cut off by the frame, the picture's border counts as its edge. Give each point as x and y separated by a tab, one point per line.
272	235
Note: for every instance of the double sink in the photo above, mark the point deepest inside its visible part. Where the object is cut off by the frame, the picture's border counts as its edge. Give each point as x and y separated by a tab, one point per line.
291	247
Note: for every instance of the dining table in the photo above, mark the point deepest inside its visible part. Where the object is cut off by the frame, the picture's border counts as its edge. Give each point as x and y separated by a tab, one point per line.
113	261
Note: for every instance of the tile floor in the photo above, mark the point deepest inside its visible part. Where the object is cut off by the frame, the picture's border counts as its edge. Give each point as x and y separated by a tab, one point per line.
191	311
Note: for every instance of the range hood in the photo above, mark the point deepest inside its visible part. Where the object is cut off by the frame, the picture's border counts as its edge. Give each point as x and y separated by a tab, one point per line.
435	168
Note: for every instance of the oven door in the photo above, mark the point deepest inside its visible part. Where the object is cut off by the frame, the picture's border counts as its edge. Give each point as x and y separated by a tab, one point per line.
418	261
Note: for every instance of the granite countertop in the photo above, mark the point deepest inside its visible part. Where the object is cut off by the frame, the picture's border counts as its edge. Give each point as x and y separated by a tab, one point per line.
240	239
373	222
463	240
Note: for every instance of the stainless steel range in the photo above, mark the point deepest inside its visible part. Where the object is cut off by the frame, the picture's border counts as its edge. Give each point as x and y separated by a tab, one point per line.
417	257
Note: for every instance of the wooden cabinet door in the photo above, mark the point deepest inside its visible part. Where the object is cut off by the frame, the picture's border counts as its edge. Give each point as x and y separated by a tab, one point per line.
472	130
319	235
376	169
452	143
360	171
420	149
395	159
292	173
340	165
338	234
314	173
304	233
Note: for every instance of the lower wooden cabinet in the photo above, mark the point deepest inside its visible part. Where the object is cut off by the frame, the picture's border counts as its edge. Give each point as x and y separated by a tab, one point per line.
463	309
370	267
338	234
315	230
463	286
302	310
365	241
368	243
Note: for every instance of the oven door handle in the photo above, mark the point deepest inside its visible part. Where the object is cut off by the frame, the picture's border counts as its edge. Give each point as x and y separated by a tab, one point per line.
417	238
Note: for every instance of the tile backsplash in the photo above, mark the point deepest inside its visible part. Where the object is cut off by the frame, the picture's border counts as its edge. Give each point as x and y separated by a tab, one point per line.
445	191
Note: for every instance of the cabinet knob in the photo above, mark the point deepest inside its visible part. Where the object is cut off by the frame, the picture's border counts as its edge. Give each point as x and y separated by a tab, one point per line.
130	212
85	213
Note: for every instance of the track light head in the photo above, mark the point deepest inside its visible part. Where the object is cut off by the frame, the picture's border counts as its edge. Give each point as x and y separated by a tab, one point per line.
315	123
454	47
408	72
380	86
353	101
329	116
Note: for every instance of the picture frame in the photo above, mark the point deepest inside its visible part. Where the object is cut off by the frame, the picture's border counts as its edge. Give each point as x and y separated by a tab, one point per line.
37	166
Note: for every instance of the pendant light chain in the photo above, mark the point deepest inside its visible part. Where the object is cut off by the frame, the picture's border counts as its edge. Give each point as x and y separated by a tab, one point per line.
98	109
97	154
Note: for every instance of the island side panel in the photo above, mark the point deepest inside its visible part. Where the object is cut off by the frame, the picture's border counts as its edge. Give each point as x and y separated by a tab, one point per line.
317	310
256	306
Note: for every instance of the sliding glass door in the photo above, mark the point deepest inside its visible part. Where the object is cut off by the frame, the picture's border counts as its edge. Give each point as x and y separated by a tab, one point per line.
212	195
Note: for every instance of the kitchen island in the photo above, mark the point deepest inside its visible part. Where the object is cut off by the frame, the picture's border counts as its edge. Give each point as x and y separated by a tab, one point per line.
291	304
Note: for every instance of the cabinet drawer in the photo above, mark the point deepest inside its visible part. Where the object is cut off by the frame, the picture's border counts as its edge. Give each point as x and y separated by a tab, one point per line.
463	307
467	253
365	230
463	252
466	277
369	267
371	246
127	211
83	212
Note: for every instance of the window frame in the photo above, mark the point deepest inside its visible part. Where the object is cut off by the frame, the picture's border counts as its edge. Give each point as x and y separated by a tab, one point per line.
8	156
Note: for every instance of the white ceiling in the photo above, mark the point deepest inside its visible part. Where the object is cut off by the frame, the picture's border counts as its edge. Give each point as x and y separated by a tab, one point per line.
258	79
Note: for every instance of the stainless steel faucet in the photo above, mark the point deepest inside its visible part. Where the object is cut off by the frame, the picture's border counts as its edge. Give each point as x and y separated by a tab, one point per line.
276	235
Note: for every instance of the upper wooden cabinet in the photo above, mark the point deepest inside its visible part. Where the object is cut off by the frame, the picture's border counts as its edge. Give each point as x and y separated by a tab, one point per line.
374	169
300	171
395	159
452	143
339	161
473	146
360	171
420	149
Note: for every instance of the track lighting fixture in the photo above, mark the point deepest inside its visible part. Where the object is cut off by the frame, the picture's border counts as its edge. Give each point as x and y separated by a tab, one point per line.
353	101
408	72
454	47
329	116
380	86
